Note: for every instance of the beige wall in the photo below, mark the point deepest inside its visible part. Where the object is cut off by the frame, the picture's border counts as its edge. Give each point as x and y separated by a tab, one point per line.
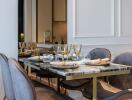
28	20
59	10
60	31
44	18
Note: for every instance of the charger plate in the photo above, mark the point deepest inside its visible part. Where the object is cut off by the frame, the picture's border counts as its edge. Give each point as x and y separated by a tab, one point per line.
64	66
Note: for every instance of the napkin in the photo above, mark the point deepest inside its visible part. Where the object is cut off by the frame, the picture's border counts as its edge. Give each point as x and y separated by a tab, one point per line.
96	61
35	58
66	63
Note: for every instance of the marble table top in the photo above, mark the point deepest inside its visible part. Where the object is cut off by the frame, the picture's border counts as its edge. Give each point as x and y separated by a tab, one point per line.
81	70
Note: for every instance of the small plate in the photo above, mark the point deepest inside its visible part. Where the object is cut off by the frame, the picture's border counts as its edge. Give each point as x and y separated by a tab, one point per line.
35	59
65	66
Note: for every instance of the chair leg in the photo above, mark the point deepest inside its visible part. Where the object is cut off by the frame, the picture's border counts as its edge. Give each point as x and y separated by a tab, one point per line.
49	81
58	85
40	78
106	79
52	83
65	91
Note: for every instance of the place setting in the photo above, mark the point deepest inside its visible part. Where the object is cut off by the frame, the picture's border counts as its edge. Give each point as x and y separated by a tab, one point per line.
68	57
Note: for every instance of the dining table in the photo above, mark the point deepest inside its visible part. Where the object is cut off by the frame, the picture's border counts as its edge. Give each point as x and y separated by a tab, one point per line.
81	72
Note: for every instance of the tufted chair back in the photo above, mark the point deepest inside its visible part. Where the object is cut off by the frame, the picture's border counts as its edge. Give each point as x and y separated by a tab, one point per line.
124	81
6	76
99	53
22	86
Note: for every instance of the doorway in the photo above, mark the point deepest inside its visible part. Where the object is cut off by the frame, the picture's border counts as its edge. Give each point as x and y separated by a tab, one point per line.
20	21
42	25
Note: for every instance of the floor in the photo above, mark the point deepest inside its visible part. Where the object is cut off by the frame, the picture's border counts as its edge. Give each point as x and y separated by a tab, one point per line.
71	94
76	95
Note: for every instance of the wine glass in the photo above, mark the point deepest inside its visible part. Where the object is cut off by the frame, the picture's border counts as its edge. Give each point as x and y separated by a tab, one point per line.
67	50
23	45
20	46
77	50
60	50
64	51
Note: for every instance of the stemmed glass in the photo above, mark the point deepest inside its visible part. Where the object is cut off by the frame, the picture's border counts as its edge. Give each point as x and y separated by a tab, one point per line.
67	50
22	45
64	51
59	49
77	50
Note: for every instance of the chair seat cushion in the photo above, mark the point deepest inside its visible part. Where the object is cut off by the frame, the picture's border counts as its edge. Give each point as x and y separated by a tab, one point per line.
73	84
127	96
103	90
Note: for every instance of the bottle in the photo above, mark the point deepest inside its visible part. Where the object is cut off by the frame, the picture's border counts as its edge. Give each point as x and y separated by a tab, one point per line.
62	42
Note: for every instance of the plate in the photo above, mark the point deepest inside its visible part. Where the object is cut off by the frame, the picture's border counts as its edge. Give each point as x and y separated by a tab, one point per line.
35	59
65	66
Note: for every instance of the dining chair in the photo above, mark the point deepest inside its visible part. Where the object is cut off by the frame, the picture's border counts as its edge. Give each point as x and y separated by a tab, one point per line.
42	73
113	91
6	76
123	81
18	86
99	53
79	84
39	74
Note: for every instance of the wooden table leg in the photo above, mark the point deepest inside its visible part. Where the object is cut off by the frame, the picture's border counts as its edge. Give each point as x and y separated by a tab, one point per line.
25	67
29	71
94	88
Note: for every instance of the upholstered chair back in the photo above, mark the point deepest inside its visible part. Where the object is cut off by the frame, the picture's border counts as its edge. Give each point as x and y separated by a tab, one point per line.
22	86
6	76
124	81
124	58
99	53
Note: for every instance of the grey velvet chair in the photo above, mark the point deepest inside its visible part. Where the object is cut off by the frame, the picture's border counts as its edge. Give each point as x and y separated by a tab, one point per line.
99	53
22	86
119	88
6	76
124	81
18	86
93	54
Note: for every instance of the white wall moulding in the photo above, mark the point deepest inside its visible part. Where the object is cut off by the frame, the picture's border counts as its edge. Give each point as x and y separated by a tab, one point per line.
126	18
99	22
93	18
